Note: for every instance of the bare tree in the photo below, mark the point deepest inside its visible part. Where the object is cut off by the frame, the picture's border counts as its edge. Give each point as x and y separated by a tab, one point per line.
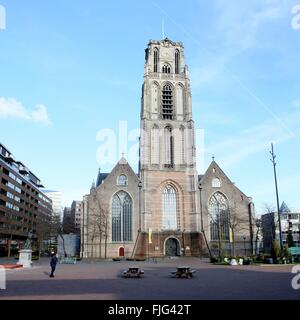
237	223
43	232
268	208
98	214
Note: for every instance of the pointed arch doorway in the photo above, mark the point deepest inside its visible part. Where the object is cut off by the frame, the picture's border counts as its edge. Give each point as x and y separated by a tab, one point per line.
172	247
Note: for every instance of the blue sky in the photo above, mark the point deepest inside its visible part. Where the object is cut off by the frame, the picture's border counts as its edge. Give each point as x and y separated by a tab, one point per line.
71	68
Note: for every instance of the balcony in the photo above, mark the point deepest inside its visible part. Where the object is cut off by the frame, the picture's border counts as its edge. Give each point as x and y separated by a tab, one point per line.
9	159
22	169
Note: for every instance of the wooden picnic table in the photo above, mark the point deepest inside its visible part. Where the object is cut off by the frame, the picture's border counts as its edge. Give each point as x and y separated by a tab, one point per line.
133	272
184	271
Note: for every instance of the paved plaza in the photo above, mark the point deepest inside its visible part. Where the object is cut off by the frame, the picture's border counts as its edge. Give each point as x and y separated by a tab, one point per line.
103	280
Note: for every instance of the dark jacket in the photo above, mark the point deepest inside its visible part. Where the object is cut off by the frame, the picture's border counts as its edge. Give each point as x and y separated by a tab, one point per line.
53	261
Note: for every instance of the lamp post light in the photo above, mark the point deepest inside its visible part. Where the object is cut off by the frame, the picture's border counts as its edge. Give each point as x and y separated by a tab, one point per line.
202	223
273	160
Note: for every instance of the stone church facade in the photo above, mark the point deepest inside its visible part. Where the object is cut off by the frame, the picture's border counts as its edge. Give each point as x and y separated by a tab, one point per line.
166	209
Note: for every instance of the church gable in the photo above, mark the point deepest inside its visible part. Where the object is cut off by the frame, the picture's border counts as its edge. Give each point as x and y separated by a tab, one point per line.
122	176
216	180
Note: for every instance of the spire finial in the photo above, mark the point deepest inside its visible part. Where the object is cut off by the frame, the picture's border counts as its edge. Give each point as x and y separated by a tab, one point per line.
213	157
163	28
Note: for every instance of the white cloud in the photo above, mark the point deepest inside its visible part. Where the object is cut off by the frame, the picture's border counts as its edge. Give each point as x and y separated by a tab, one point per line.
241	21
11	108
232	150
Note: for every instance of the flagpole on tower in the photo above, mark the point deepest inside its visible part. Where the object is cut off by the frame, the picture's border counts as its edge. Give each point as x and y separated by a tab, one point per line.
163	28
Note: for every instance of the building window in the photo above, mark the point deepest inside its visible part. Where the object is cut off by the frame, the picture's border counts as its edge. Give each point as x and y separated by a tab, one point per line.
155	60
121	217
177	61
166	68
169	147
170	220
167	102
122	180
216	183
219	217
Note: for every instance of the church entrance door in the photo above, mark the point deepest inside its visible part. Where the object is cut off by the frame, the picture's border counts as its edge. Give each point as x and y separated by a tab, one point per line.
172	248
122	252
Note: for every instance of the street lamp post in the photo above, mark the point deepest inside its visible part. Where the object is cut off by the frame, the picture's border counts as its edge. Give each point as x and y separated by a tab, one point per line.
273	160
219	231
202	223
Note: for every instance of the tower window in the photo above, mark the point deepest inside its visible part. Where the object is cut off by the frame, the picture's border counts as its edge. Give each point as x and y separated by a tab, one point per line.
169	148
155	60
166	68
170	220
167	102
177	61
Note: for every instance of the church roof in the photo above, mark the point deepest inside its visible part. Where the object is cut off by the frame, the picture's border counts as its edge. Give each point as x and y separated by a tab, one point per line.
101	177
200	177
284	208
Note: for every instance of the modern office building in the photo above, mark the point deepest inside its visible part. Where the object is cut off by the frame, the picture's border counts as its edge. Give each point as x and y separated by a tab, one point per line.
23	206
56	197
68	226
76	210
290	222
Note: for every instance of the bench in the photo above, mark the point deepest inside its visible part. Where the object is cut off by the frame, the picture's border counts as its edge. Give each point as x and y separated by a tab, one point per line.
133	272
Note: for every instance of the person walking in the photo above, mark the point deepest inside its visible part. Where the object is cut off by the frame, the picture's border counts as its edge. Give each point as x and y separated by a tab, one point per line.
53	264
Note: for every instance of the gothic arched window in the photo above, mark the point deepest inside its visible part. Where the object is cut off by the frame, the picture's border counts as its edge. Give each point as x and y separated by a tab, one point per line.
122	180
155	60
169	147
216	183
177	61
167	102
155	145
170	220
219	217
116	219
121	217
166	68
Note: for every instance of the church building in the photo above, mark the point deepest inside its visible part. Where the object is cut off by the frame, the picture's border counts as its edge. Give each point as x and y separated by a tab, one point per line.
167	208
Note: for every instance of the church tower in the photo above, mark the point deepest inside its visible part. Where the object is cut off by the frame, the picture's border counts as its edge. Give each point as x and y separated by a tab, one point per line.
169	193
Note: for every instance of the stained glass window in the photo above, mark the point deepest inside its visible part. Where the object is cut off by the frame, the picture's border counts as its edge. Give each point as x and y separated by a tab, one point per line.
219	217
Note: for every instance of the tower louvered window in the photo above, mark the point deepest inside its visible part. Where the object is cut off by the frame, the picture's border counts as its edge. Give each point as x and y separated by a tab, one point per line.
177	62
166	68
167	102
155	60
